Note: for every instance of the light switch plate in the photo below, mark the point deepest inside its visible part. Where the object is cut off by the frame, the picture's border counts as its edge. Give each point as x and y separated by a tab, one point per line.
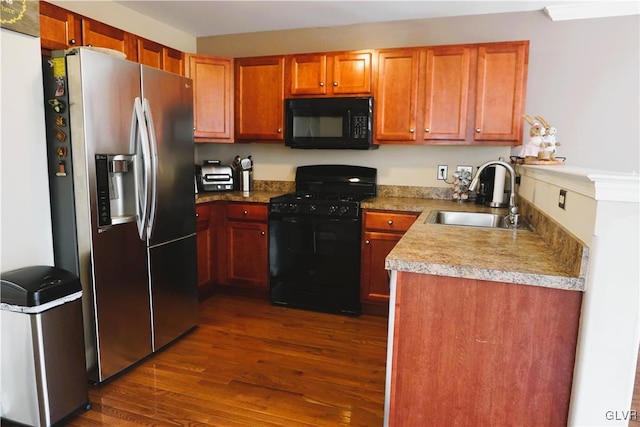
562	199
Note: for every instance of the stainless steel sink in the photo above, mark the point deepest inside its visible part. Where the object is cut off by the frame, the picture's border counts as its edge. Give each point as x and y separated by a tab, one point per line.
476	219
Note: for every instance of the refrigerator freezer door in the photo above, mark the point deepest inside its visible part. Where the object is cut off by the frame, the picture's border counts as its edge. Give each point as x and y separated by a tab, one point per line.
175	295
169	107
113	260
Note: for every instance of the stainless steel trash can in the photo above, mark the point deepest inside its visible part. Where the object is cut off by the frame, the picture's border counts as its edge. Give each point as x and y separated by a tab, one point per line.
44	378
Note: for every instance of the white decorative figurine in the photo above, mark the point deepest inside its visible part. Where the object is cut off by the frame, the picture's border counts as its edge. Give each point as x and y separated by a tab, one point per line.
533	147
549	139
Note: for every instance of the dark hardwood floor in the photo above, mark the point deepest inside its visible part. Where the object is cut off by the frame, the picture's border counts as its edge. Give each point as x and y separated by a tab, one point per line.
249	363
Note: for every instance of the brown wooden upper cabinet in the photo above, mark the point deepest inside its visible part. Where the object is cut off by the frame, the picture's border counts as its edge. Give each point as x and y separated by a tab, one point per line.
396	96
259	98
460	94
335	74
158	56
500	92
63	29
59	28
97	34
212	97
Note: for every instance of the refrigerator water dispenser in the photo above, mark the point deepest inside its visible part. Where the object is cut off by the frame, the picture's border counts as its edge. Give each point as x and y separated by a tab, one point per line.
116	189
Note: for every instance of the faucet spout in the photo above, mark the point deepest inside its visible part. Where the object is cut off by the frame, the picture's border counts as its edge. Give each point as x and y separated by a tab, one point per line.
513	204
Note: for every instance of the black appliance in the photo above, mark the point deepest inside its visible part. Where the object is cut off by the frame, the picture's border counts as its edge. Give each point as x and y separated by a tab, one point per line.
314	239
339	123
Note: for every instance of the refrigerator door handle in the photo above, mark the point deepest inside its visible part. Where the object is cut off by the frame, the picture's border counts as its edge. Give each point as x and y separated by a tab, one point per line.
154	166
142	160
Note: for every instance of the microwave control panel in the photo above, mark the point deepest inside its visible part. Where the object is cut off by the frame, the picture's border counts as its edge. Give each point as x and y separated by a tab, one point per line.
360	127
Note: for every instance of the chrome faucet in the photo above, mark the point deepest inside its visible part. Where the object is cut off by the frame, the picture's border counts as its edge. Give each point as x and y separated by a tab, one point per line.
513	205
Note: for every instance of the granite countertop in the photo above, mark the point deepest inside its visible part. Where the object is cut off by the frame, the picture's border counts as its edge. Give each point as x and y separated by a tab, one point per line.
521	257
237	196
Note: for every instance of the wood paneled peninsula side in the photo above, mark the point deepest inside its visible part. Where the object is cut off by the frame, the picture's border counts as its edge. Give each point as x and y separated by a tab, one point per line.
483	323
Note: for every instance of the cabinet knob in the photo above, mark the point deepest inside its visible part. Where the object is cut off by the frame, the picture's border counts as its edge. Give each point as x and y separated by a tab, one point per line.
321	84
279	130
197	215
478	130
335	83
72	42
244	213
427	130
390	222
411	130
262	233
367	242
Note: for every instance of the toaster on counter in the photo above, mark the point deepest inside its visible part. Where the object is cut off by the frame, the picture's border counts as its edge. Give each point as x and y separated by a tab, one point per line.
213	176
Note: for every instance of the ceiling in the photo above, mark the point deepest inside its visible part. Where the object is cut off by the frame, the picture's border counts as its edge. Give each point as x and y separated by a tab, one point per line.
210	18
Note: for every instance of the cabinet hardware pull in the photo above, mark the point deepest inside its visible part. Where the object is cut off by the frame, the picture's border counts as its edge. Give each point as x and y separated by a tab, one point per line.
478	130
262	233
279	130
335	83
411	130
390	222
197	215
321	84
72	41
427	130
367	242
245	212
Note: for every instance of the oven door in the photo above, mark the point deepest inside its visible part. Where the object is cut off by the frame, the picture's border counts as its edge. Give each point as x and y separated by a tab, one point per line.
314	263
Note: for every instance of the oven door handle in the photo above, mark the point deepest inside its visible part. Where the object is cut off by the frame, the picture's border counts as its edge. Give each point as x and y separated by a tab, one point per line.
311	219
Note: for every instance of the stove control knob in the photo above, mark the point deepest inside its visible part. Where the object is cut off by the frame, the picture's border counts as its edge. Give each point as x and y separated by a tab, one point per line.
312	208
333	209
292	207
344	210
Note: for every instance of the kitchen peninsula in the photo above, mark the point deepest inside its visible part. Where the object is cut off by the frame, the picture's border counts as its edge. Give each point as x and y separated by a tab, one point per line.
483	322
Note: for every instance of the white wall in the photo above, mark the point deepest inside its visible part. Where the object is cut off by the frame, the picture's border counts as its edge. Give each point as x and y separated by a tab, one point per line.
25	218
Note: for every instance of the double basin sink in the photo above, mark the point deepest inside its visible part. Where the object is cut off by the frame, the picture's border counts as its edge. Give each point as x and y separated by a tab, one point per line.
477	219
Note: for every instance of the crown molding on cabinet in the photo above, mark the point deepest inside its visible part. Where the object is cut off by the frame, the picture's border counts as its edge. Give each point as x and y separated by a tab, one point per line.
600	9
598	185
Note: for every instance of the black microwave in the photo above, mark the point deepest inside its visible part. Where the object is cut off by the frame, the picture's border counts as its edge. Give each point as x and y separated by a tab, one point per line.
342	123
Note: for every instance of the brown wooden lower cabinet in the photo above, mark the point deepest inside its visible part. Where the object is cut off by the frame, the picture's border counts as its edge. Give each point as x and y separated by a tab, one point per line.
211	242
470	352
204	245
381	230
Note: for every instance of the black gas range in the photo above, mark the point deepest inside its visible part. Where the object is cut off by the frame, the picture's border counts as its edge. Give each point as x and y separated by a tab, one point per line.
314	238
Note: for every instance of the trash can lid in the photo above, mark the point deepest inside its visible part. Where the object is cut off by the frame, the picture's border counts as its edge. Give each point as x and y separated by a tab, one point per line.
36	285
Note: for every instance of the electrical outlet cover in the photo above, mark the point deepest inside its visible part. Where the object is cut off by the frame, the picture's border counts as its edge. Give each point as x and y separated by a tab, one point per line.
465	168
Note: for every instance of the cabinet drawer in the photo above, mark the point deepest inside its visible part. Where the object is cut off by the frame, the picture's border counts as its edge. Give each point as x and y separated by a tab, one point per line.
248	211
389	221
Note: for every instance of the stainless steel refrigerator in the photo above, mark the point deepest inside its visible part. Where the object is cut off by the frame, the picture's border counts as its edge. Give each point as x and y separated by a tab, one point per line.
121	155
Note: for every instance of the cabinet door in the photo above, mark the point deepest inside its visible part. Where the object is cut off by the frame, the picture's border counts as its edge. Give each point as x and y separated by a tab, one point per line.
502	74
374	281
213	97
308	74
446	93
248	253
351	74
149	53
396	95
260	98
204	245
97	34
173	61
59	28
